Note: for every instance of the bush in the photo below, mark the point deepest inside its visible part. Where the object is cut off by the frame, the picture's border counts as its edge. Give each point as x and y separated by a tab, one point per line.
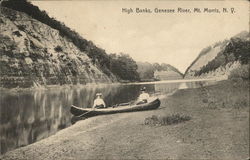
166	120
58	49
240	73
17	33
21	27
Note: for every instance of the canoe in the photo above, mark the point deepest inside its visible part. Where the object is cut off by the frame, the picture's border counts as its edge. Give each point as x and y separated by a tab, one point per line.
89	112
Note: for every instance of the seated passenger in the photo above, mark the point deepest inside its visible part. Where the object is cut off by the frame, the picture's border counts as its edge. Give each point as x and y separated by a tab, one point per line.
98	102
143	97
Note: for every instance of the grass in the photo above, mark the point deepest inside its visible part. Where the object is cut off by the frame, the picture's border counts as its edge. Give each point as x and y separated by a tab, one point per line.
166	120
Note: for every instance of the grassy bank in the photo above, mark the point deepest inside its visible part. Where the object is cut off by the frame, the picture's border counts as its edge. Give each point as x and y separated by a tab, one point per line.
210	122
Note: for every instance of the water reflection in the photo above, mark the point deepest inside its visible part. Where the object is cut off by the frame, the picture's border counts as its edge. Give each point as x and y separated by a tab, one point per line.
29	116
183	85
198	84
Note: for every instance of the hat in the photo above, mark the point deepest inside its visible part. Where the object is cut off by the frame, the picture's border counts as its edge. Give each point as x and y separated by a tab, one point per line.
143	89
98	94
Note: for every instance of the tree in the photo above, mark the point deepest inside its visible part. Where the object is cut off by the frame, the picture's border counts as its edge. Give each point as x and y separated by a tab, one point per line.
124	66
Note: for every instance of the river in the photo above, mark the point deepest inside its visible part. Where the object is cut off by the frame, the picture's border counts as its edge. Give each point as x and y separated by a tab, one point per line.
28	116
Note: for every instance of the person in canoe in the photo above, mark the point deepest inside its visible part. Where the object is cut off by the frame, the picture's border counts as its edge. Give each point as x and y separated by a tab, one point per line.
99	102
143	97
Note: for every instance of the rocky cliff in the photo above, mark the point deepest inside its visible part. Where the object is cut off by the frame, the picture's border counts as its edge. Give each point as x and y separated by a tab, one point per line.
221	58
32	54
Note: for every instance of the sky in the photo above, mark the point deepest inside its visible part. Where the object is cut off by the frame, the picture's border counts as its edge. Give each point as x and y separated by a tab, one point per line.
172	38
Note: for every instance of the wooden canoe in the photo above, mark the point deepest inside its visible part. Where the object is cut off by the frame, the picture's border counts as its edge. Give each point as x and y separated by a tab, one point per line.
89	112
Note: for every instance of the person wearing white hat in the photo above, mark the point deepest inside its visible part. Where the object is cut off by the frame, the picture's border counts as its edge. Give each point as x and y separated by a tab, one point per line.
99	102
143	98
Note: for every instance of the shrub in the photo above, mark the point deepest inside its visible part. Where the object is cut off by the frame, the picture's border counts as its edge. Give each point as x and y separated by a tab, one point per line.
58	49
17	33
240	73
21	27
166	120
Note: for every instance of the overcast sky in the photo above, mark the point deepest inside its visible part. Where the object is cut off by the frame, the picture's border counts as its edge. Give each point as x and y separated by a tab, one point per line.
173	38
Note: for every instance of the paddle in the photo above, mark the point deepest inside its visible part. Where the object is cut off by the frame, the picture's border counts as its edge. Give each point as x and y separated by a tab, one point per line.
86	113
122	104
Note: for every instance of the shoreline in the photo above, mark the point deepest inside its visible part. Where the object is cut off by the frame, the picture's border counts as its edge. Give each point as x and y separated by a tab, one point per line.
219	128
41	88
49	87
179	81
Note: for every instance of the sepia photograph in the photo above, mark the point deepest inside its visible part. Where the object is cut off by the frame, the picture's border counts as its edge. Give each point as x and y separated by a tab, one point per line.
124	80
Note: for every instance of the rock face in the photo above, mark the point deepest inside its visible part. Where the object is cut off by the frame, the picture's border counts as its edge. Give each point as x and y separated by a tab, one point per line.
34	54
219	59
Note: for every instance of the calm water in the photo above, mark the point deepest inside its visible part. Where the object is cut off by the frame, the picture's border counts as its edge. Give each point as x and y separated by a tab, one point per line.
29	116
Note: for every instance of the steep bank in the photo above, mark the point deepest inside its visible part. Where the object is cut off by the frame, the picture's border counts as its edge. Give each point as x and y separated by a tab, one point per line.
32	53
221	58
218	129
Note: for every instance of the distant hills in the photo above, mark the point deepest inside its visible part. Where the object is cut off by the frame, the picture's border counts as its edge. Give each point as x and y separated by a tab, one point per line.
156	71
221	58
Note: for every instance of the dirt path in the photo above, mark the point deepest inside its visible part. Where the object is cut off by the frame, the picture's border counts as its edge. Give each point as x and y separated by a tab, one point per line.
218	129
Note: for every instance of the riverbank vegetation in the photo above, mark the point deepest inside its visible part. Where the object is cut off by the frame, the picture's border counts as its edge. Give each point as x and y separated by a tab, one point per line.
241	73
166	120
